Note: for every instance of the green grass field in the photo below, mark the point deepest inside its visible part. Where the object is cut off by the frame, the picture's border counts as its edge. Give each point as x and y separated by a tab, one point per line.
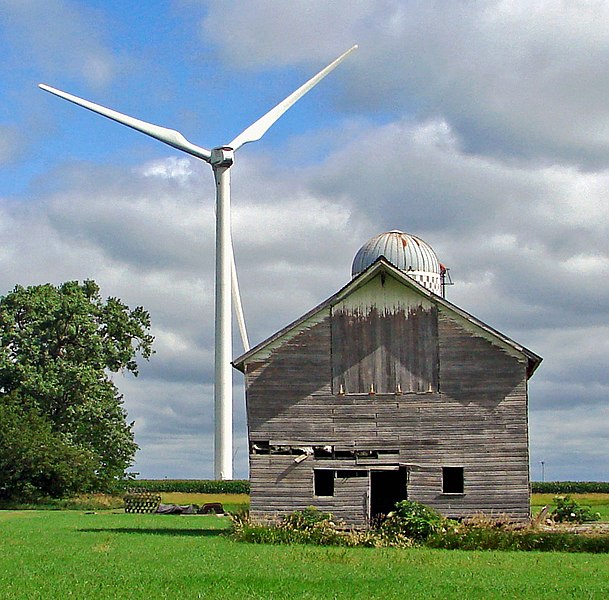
63	554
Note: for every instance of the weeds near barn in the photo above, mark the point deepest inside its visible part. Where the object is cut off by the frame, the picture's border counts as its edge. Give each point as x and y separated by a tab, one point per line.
568	510
413	524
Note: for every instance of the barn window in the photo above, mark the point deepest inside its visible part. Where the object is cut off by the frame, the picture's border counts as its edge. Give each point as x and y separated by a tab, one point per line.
452	480
324	482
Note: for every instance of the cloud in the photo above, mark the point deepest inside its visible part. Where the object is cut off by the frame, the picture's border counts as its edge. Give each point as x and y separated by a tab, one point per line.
572	443
511	79
274	34
479	126
11	144
60	36
146	235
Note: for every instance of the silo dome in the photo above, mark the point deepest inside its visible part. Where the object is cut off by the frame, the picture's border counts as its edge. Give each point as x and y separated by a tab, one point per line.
406	252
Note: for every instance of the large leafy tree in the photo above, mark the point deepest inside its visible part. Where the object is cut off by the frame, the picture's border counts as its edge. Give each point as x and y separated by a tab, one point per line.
59	346
36	461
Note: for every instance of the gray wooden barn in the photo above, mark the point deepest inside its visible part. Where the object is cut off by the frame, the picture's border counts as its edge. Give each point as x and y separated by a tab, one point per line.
387	391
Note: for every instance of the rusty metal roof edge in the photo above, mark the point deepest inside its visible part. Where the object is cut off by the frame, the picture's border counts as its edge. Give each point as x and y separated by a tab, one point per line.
381	263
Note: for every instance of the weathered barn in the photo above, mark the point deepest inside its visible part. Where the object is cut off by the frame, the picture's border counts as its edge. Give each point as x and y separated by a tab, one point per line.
387	391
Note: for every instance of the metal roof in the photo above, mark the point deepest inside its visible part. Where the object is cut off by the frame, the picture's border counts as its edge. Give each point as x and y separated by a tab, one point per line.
403	250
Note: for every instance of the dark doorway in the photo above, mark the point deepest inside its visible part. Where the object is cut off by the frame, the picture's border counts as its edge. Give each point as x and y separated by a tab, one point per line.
386	488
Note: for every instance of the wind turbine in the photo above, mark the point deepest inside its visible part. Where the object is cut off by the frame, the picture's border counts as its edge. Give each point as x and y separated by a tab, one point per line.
221	160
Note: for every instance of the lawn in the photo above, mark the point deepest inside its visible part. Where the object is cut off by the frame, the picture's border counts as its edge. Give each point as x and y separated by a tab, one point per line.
61	554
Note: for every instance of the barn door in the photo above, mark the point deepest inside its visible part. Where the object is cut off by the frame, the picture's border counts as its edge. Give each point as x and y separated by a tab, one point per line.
386	488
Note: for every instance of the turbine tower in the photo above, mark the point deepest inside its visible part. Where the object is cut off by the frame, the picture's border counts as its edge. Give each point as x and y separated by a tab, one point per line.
221	160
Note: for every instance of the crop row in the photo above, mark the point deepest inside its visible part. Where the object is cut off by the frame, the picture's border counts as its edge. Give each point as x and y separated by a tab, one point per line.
190	486
242	486
570	487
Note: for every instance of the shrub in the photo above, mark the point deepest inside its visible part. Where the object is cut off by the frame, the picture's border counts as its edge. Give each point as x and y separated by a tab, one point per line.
37	462
424	526
308	526
311	526
412	520
569	511
468	537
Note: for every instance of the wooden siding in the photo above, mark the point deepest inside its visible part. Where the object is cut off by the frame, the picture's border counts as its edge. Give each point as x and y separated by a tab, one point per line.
472	367
477	420
280	486
300	368
384	335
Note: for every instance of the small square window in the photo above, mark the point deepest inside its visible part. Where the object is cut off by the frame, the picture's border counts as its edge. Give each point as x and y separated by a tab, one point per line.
452	480
324	482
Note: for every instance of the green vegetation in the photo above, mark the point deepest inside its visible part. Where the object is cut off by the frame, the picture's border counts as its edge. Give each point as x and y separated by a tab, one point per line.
415	524
37	461
570	487
413	520
62	424
483	537
597	502
191	486
89	502
48	555
569	510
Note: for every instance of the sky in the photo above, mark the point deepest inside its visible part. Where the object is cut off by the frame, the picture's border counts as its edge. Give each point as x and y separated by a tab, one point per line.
481	127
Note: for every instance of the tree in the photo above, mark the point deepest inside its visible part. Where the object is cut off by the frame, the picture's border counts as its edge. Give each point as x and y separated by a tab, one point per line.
58	348
35	461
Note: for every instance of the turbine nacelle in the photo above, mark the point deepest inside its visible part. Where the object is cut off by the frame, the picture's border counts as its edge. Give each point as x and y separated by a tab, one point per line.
223	156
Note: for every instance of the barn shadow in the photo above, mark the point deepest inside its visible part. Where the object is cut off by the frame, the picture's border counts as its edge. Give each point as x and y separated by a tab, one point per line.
162	531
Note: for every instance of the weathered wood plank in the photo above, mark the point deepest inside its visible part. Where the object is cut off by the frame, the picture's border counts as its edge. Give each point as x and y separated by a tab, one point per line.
478	420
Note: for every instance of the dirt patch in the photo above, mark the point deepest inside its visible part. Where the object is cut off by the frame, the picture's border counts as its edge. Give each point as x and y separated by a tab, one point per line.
580	528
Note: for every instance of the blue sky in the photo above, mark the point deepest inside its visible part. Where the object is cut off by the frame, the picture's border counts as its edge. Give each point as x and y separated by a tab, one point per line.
481	127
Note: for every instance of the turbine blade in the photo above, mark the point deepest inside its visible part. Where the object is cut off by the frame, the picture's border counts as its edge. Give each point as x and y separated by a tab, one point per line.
261	126
238	306
168	136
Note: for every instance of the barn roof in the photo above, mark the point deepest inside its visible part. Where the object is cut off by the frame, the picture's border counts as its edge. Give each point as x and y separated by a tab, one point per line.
383	265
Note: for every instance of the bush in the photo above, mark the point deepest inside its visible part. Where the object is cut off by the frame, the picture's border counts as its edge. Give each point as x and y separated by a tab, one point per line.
37	462
306	520
413	520
424	526
310	526
569	511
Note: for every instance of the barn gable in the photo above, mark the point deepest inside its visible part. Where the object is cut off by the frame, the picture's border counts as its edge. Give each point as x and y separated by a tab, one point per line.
398	292
386	391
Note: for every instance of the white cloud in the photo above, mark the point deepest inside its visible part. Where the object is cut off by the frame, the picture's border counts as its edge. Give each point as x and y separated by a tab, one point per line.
268	33
481	127
11	143
62	37
512	79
